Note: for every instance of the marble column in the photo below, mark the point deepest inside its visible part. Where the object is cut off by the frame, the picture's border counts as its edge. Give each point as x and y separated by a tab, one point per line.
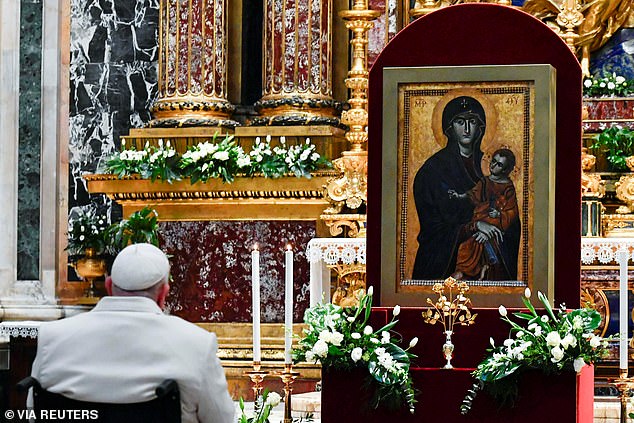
192	72
297	64
9	83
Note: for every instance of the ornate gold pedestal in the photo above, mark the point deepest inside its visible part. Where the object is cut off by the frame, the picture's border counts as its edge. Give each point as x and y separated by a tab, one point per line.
235	350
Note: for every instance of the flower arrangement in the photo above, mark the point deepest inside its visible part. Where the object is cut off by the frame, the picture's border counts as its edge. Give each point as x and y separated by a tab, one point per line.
210	160
223	160
86	230
342	339
557	341
618	144
612	85
151	163
141	226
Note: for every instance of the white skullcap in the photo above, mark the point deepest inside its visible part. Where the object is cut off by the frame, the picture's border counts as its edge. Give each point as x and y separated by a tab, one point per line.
139	266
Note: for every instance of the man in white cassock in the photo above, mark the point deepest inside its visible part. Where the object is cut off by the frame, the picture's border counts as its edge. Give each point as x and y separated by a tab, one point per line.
125	347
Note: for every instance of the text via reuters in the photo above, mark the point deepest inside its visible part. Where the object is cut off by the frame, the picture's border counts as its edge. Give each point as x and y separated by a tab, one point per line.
50	415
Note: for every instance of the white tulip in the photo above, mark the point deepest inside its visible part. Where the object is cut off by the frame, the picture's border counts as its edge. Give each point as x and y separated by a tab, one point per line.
273	399
397	310
502	311
413	342
527	292
370	291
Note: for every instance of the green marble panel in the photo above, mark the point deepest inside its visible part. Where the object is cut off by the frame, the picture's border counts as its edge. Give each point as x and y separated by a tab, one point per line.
30	139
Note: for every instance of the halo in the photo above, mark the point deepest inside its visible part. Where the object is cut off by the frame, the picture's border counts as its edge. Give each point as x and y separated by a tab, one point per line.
487	105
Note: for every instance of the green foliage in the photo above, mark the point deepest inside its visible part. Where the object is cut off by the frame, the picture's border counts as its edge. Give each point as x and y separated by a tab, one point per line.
340	338
141	226
617	143
560	340
263	406
608	86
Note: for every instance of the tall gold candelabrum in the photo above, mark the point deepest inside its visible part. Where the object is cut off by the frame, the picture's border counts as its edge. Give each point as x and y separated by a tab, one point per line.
350	189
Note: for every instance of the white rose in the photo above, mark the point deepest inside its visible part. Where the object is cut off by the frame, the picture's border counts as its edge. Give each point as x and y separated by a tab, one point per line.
569	341
553	339
325	336
355	335
502	311
375	340
350	319
397	310
244	161
620	79
587	83
385	337
273	399
558	354
578	364
356	354
367	330
538	331
310	356
611	85
221	155
595	341
336	338
320	348
508	342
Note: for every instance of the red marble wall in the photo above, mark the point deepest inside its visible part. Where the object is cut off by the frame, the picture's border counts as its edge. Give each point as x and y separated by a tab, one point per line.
385	27
211	268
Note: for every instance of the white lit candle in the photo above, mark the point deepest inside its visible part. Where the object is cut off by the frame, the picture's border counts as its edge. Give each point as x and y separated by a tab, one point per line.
288	304
255	280
622	257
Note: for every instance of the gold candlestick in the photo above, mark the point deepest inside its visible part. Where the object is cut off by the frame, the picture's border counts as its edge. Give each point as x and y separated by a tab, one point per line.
256	375
624	384
288	376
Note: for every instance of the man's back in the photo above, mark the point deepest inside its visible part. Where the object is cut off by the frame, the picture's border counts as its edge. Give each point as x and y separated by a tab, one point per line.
120	352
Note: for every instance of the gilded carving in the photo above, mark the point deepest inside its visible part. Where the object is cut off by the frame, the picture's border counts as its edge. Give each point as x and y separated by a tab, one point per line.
591	183
351	283
585	25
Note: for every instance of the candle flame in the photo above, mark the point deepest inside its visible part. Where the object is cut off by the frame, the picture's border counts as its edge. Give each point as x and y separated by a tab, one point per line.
289	247
255	247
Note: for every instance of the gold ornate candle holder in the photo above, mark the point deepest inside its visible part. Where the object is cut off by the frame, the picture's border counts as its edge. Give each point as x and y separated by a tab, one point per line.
257	376
624	384
288	376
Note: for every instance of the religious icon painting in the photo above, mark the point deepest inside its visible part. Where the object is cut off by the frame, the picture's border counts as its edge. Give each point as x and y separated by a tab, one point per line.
468	181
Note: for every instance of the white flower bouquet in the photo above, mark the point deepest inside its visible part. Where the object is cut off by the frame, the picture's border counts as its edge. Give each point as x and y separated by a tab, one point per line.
557	341
210	160
342	339
151	162
612	85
